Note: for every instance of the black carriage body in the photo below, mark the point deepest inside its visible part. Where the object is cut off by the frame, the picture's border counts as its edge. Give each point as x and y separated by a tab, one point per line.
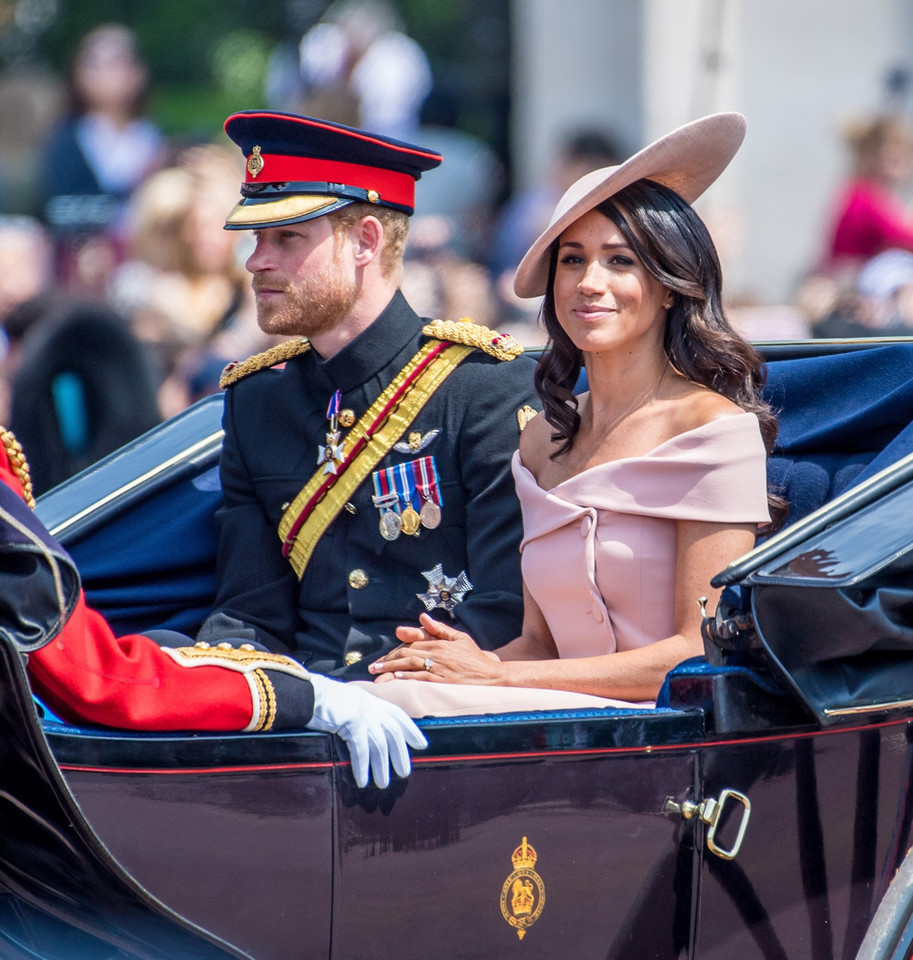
761	811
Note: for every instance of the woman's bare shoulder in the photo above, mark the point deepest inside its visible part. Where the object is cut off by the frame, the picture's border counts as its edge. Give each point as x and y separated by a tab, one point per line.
697	406
536	442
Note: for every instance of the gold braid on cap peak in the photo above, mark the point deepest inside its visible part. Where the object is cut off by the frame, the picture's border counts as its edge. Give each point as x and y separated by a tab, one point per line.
467	331
262	361
19	464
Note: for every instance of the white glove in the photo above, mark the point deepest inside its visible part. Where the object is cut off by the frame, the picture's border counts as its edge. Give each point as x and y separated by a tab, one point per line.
375	731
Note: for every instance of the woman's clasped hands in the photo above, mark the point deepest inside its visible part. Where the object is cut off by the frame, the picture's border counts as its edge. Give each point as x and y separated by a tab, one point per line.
436	652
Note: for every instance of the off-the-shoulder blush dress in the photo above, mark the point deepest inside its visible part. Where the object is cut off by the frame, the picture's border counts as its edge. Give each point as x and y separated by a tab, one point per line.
599	554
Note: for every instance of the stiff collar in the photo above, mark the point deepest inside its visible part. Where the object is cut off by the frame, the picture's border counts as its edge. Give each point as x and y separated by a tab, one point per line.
374	348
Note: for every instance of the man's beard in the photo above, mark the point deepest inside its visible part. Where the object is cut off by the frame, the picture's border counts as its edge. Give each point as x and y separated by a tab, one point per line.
310	307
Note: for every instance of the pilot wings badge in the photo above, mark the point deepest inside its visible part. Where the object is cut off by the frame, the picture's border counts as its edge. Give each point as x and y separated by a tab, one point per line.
523	893
416	441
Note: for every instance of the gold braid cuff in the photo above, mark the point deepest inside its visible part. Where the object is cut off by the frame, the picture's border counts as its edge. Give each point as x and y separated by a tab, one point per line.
19	464
467	331
262	361
263	695
243	659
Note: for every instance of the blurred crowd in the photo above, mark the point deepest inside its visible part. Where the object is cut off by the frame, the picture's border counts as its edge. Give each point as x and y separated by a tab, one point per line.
862	283
122	298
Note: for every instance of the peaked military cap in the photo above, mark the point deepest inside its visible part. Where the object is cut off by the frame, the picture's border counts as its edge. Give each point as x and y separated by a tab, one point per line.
302	167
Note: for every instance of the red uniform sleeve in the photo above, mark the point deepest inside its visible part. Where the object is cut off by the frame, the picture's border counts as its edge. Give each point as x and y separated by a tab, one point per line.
86	674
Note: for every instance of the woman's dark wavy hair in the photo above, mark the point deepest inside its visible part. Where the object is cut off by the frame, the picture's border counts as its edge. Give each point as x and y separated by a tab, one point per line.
675	247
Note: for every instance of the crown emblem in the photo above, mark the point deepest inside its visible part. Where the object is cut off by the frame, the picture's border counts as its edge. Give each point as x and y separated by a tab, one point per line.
523	892
524	857
255	162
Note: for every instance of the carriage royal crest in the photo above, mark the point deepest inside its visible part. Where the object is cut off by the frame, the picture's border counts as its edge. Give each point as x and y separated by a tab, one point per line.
523	892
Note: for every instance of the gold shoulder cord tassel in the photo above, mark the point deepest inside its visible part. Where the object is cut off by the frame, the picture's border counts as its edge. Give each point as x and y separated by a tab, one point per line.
20	465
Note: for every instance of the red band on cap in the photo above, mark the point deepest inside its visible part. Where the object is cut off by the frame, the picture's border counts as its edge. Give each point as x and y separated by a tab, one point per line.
398	188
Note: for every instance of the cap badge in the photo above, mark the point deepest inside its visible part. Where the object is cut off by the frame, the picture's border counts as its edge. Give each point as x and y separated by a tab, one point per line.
255	163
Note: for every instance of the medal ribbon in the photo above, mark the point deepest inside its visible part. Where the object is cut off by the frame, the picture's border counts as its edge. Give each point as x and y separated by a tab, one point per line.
367	443
429	485
382	486
405	486
333	409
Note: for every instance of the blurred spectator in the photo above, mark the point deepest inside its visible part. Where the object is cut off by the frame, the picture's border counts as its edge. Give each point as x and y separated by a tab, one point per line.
31	102
438	281
860	285
876	300
359	67
26	273
466	187
83	387
183	284
26	261
870	215
526	214
97	154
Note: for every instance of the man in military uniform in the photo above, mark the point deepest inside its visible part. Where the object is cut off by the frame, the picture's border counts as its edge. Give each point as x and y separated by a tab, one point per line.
157	680
369	480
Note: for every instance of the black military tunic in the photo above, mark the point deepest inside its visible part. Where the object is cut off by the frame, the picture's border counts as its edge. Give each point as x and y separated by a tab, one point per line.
358	587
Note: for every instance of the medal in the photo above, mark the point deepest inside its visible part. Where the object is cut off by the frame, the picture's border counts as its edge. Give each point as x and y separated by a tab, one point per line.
426	480
430	515
405	488
331	454
387	501
443	591
408	498
411	521
390	523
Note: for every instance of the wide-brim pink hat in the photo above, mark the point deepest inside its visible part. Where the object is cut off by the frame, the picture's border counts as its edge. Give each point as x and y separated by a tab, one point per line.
687	160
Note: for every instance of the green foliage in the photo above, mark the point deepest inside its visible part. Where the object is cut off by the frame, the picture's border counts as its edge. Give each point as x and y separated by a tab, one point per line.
176	36
207	57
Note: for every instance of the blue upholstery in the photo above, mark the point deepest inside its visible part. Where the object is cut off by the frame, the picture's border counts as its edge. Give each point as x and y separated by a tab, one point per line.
169	581
842	419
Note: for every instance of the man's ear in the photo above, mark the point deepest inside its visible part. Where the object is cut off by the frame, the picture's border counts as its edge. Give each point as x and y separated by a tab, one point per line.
367	239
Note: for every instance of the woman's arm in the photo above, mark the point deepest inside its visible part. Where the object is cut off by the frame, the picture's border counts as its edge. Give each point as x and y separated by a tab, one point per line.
457	657
703	550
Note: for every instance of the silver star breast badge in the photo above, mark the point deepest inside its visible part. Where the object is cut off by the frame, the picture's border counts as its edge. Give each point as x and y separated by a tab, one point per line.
444	591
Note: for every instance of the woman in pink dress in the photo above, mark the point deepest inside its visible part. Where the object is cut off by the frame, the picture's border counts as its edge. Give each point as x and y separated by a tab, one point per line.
638	491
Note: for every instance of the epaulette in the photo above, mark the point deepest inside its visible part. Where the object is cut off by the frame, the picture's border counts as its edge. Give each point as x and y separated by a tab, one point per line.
262	361
472	334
